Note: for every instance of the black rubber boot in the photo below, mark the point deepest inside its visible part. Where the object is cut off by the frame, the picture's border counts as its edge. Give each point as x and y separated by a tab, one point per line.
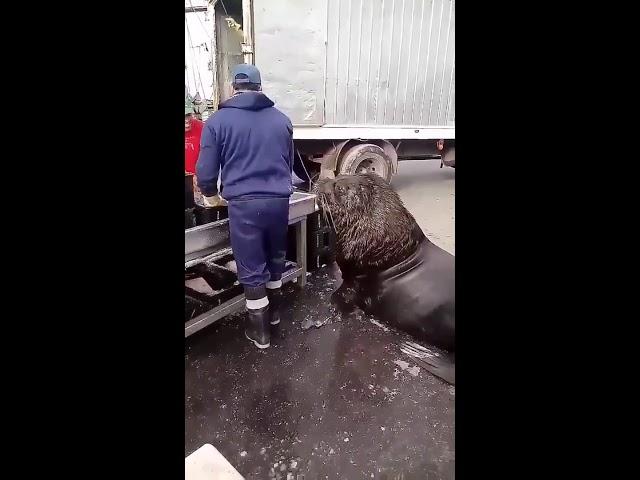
275	300
258	327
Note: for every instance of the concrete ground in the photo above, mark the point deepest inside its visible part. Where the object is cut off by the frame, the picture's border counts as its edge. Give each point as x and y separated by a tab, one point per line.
332	398
428	191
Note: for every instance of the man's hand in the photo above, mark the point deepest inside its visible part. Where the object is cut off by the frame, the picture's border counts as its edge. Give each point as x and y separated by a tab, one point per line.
215	201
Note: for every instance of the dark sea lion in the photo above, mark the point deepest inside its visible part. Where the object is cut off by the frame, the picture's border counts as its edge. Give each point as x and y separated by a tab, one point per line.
388	266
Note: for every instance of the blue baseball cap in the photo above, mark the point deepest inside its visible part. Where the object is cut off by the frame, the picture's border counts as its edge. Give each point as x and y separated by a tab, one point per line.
245	73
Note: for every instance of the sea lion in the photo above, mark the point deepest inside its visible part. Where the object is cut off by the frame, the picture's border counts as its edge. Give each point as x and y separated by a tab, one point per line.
388	266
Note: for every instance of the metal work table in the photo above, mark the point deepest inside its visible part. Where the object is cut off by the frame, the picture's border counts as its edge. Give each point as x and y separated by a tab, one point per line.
211	242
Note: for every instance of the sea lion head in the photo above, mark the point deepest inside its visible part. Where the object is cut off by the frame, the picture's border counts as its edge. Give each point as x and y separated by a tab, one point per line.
373	228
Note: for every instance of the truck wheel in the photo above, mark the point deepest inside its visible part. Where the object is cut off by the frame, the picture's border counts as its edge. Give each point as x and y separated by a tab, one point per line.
449	158
366	158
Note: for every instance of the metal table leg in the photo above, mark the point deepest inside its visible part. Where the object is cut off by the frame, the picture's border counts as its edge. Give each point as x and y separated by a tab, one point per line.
301	249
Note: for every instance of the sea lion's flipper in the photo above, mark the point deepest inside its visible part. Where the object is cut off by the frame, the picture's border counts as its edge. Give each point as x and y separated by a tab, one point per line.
345	299
436	362
441	367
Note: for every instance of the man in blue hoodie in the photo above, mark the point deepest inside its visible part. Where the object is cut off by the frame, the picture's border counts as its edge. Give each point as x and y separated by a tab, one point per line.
250	143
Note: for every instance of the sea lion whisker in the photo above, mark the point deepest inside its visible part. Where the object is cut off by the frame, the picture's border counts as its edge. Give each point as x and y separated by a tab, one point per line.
333	223
323	204
326	209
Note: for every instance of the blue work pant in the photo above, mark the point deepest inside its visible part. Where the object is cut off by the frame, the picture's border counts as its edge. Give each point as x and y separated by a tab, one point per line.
258	228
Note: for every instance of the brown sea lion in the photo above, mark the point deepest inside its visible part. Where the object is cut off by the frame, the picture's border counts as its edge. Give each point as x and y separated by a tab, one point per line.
389	268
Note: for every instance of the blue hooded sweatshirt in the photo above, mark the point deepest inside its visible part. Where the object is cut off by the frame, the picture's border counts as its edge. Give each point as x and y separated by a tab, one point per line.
251	144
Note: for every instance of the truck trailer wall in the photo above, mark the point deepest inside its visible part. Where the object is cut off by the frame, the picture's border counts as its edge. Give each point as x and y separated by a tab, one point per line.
358	62
290	51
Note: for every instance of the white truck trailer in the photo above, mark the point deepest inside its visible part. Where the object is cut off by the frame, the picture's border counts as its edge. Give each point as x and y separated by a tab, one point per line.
366	83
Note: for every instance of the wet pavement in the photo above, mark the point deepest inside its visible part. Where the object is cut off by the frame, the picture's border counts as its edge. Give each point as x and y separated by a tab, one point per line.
331	398
428	191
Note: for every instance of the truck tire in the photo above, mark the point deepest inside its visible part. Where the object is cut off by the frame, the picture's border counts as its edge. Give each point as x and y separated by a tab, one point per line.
449	158
366	158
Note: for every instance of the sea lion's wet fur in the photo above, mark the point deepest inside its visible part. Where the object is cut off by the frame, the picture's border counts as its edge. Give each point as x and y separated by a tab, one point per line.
373	228
388	266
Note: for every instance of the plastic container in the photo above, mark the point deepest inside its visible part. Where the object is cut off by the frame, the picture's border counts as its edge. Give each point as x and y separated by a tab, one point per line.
189	201
316	221
189	219
206	215
321	238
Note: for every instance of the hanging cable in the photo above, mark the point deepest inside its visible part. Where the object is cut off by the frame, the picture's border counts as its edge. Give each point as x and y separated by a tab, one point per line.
202	24
225	8
204	29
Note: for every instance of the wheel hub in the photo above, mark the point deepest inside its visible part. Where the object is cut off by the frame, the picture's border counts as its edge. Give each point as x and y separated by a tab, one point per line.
372	165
